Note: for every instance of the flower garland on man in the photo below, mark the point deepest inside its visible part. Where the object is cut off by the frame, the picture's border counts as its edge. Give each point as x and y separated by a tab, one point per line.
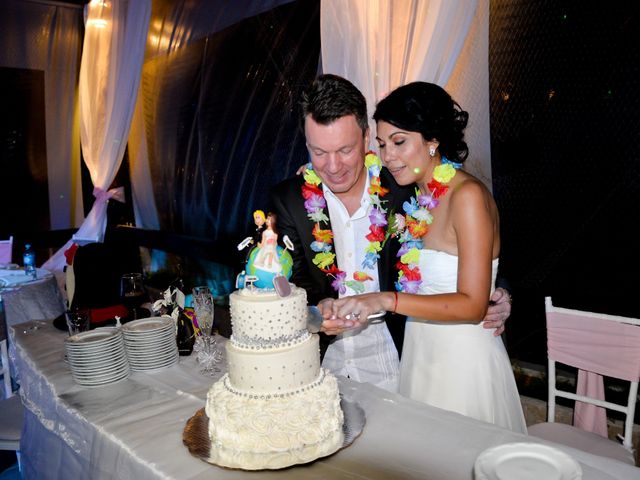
315	204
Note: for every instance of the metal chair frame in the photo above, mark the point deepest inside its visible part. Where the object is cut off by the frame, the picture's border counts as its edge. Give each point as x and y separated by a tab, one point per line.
628	410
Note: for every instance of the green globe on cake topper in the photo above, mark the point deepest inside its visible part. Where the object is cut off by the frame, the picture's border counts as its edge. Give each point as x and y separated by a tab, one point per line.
281	264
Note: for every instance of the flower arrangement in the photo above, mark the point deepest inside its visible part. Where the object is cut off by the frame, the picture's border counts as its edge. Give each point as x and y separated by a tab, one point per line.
171	304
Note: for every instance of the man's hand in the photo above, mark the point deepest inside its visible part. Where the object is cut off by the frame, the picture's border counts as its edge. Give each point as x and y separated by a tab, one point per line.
498	311
302	169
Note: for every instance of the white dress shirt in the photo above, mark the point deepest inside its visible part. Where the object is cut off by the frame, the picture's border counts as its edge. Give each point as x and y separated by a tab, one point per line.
367	354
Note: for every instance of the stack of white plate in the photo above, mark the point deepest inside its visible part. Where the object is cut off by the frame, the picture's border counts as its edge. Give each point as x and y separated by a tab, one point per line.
150	343
97	357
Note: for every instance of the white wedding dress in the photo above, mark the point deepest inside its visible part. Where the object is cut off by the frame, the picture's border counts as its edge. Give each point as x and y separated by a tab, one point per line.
459	367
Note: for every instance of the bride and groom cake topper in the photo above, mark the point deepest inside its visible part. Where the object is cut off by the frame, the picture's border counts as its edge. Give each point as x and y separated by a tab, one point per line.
268	265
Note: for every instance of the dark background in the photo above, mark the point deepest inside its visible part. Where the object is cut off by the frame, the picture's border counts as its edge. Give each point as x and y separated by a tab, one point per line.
24	192
565	131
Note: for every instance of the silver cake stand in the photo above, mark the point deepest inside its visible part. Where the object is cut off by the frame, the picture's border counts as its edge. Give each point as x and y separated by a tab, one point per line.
196	438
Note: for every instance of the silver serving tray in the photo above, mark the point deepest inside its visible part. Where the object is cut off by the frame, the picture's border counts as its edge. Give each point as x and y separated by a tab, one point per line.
196	437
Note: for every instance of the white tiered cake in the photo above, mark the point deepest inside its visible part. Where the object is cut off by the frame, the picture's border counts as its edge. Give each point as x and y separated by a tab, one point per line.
276	407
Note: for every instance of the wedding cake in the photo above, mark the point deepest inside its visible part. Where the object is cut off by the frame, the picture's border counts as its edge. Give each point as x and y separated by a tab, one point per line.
276	406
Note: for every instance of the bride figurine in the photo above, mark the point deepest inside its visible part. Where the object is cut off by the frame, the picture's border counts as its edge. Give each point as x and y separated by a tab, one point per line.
267	253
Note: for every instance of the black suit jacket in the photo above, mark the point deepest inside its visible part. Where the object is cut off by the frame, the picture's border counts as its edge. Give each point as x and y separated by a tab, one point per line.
287	202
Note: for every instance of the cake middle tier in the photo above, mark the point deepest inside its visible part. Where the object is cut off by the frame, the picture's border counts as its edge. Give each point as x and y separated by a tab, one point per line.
274	371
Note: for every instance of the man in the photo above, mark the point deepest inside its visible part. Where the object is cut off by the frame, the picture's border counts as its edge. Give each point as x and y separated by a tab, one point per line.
337	135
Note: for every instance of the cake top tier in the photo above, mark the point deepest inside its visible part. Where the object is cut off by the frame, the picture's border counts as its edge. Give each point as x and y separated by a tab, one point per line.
264	320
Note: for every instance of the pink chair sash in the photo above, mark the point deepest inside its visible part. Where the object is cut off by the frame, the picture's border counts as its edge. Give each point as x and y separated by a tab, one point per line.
596	347
5	253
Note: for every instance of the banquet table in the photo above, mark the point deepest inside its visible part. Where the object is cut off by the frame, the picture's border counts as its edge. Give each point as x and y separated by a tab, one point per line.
25	299
133	428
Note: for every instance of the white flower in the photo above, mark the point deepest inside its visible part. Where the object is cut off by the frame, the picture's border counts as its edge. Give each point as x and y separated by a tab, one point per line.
422	214
170	305
157	305
168	297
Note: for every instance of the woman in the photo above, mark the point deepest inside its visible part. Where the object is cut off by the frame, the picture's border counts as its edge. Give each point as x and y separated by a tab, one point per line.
448	262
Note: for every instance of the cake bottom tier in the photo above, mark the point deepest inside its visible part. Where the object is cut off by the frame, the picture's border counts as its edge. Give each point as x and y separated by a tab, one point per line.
255	432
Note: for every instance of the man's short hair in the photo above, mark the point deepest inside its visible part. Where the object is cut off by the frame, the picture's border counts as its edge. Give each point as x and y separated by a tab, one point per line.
331	97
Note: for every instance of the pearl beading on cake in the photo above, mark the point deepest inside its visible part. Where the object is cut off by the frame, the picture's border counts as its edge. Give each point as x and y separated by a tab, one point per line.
252	343
269	396
259	319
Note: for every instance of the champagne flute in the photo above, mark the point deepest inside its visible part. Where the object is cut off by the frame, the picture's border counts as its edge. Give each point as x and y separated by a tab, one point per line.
132	292
208	355
203	307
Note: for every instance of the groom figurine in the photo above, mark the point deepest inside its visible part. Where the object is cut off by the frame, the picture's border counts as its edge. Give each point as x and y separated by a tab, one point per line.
329	212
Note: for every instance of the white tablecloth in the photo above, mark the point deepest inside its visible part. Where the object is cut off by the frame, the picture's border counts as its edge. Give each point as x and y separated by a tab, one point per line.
38	299
27	299
133	429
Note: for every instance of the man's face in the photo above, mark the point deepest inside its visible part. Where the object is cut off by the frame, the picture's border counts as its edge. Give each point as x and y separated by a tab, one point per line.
337	152
258	220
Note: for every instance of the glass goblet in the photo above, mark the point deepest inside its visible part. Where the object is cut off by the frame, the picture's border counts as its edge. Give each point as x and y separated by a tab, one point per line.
132	292
206	346
78	321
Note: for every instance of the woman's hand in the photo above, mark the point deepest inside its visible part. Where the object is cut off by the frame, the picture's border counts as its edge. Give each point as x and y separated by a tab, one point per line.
302	169
341	316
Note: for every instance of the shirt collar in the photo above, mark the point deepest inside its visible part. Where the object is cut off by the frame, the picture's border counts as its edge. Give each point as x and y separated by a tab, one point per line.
365	200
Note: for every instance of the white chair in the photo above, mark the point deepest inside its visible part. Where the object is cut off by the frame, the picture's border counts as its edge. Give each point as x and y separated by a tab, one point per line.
11	410
597	345
6	248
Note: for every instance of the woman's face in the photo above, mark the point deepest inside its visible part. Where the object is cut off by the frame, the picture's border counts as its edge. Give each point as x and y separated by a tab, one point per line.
404	153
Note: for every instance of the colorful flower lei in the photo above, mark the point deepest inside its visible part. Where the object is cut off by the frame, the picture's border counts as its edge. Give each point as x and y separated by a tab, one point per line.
315	203
416	225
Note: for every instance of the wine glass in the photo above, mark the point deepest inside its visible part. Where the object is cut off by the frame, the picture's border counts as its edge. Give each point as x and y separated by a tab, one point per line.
132	292
206	348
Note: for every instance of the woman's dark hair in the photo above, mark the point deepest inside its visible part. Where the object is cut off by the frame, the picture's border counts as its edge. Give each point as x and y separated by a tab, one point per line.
331	97
429	110
274	221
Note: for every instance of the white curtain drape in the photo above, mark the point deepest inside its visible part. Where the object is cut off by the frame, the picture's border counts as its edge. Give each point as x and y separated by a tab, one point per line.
112	56
144	205
382	44
469	86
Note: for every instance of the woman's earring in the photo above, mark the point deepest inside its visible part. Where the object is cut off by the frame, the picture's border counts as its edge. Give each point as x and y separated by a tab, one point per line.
432	150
